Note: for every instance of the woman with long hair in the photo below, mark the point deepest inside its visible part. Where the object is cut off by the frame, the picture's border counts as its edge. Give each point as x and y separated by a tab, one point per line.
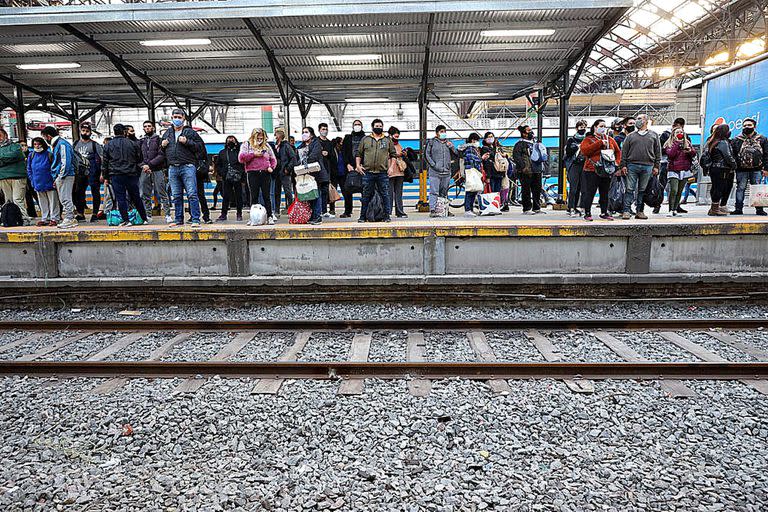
230	172
723	169
396	172
260	162
681	153
310	151
596	141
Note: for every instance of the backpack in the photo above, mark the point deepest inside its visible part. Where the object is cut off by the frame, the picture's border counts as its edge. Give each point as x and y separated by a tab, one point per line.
82	165
10	215
705	161
500	163
751	152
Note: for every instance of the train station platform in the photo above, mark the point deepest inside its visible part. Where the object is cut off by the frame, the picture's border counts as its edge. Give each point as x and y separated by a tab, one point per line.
512	253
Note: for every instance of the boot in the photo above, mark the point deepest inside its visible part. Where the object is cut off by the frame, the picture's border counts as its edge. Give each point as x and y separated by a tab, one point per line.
714	211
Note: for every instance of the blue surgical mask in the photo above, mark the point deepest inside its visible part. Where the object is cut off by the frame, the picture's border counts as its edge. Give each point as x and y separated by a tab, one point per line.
442	136
178	122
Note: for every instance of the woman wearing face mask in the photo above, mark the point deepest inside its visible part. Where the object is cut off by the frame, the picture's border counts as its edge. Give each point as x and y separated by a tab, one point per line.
472	160
39	173
488	154
680	153
595	141
260	162
231	172
310	151
722	171
574	165
396	172
349	147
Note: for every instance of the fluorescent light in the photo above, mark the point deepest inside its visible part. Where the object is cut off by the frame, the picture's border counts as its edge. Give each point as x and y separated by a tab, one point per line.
349	58
257	100
666	72
50	65
366	100
176	42
474	94
518	33
751	48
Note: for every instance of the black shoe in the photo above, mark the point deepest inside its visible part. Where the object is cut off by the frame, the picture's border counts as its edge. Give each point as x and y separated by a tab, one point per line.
345	215
315	221
402	216
761	212
505	208
388	219
657	209
680	210
79	217
737	212
94	218
207	221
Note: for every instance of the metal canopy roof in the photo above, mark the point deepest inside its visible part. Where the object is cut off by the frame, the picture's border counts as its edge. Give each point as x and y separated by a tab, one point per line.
463	64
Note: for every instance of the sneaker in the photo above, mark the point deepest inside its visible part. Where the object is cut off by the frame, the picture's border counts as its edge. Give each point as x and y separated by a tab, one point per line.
101	215
737	212
577	211
363	220
239	217
680	210
79	217
221	218
42	223
641	216
168	219
433	214
538	212
345	215
124	224
388	219
725	210
671	214
527	212
571	213
271	221
588	218
207	221
760	212
175	224
317	221
402	216
606	216
470	214
505	208
626	216
94	218
67	223
149	220
194	225
53	223
328	216
657	209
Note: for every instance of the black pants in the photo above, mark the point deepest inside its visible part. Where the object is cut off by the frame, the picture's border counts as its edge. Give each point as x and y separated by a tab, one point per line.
592	183
531	191
126	187
396	186
722	184
78	193
324	195
260	181
218	189
348	197
231	193
203	201
30	197
575	180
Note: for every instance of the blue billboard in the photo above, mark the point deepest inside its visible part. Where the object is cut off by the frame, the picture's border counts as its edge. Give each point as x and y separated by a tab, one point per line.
737	95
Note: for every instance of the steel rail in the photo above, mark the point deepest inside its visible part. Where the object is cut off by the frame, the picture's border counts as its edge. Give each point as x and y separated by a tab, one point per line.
399	370
382	324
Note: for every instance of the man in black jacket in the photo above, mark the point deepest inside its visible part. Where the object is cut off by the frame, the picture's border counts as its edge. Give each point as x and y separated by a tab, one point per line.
121	169
349	149
153	172
751	152
183	147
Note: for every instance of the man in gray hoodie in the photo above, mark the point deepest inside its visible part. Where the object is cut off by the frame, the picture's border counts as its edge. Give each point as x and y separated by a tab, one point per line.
438	153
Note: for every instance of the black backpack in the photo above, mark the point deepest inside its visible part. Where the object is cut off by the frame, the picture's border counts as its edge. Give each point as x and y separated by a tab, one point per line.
375	211
10	215
751	152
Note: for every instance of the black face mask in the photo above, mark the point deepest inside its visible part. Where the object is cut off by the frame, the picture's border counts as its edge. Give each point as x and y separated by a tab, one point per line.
529	136
748	131
231	144
378	131
630	128
581	131
85	136
132	136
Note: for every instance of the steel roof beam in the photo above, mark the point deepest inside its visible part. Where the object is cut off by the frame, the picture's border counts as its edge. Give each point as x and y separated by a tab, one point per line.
7	102
425	70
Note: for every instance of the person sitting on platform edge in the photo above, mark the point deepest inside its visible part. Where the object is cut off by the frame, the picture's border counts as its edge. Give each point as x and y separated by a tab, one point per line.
121	168
751	152
182	145
373	162
438	153
642	157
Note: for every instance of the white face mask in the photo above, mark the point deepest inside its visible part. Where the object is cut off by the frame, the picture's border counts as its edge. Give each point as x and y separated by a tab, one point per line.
39	150
305	137
490	140
357	128
475	144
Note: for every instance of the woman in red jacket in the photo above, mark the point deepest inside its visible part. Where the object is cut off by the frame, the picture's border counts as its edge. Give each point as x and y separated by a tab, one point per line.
591	147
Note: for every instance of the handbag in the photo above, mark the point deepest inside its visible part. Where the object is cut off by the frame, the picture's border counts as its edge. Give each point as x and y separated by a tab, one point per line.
306	188
353	183
333	194
758	195
304	169
474	180
606	164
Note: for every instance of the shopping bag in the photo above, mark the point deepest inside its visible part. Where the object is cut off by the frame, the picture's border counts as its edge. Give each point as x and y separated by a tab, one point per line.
474	180
490	204
306	188
299	212
616	194
758	195
258	215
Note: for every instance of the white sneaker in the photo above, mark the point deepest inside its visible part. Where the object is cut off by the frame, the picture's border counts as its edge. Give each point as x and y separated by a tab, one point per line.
195	225
168	219
271	221
470	214
149	219
327	215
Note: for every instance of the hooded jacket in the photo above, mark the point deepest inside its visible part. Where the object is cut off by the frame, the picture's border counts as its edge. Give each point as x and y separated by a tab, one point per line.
152	152
314	153
11	161
39	170
121	156
350	146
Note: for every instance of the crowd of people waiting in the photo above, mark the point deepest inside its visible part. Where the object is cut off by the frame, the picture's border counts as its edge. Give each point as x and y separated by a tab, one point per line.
173	165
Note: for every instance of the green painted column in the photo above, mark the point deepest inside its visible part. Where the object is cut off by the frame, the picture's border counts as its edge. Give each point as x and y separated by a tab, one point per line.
267	122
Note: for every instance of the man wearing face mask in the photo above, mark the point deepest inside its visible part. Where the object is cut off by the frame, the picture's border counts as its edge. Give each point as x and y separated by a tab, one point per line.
152	178
641	157
751	152
629	126
182	147
92	153
530	176
349	149
574	165
372	162
438	154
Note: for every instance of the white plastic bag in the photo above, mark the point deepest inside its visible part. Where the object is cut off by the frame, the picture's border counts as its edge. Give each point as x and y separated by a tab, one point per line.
306	188
758	195
441	208
258	215
490	204
474	181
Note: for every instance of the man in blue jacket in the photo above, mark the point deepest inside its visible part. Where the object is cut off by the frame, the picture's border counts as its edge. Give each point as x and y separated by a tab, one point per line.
63	172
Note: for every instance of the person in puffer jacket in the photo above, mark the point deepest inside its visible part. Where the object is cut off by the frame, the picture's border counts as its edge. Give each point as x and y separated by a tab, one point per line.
39	173
260	162
472	160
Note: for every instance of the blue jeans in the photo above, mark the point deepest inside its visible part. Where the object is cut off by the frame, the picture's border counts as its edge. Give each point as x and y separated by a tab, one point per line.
496	184
127	187
742	178
373	181
637	180
469	200
317	208
183	177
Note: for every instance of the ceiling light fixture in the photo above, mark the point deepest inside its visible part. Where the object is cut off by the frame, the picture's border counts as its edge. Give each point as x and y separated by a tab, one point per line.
349	58
49	65
366	100
474	94
176	42
518	33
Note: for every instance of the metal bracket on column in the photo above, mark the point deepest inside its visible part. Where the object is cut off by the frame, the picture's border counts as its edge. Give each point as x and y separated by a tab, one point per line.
7	102
337	114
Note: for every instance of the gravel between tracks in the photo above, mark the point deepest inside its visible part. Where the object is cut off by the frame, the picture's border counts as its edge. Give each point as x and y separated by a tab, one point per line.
32	346
716	346
758	338
327	346
651	346
448	346
81	349
512	346
199	347
266	346
388	347
143	347
581	346
540	448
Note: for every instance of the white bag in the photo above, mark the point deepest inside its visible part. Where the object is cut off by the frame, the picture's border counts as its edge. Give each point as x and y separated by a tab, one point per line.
758	195
258	215
490	204
306	188
441	208
474	181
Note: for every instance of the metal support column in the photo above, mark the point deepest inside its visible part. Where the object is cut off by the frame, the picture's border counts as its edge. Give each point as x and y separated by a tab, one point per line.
151	102
562	135
188	108
75	121
21	121
423	205
287	107
540	114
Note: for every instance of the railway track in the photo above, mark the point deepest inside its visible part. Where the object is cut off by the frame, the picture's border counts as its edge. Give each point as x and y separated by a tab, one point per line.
577	375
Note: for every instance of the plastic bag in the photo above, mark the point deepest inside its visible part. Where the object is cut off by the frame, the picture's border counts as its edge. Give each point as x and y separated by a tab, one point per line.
258	215
654	192
375	211
490	204
306	188
299	212
758	195
474	181
616	194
